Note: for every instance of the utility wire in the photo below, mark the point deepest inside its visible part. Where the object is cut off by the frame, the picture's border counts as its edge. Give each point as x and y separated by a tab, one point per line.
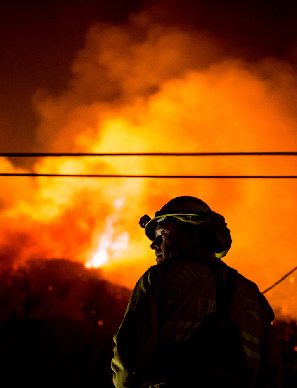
279	281
153	154
49	175
83	154
149	154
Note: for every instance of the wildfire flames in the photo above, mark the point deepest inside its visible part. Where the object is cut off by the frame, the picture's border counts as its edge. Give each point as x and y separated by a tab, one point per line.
147	88
109	245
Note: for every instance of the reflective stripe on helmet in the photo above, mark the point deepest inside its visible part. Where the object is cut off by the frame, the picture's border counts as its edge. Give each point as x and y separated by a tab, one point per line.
179	216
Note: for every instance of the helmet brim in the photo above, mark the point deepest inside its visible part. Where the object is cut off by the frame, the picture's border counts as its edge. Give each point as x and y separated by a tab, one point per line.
151	225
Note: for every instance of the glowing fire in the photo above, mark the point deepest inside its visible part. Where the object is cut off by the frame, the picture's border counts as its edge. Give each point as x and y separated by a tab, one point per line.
159	90
109	245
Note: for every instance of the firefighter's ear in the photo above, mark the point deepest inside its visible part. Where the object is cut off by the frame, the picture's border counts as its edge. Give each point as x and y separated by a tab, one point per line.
212	238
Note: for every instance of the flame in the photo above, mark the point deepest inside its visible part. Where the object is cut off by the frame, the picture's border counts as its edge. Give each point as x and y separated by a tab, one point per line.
109	245
143	87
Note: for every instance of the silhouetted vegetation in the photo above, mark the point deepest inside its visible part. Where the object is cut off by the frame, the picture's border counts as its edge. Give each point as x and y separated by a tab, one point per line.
57	320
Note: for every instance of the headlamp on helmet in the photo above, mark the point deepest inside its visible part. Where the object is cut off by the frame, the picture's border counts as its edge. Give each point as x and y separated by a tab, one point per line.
149	224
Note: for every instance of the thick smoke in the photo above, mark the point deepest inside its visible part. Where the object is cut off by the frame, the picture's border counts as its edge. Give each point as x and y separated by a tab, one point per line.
145	86
250	30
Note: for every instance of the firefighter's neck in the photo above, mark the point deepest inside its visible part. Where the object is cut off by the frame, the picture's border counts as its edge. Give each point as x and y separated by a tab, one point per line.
194	254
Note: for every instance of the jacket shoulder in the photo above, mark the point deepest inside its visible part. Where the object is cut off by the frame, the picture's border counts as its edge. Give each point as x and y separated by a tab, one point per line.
251	295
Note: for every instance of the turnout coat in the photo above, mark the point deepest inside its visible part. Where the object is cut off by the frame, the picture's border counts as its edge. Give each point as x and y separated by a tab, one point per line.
195	323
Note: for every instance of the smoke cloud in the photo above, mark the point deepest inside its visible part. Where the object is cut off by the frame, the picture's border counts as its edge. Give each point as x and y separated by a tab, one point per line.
147	86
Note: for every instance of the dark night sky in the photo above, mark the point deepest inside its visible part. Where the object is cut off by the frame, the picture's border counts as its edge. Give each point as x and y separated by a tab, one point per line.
38	43
40	39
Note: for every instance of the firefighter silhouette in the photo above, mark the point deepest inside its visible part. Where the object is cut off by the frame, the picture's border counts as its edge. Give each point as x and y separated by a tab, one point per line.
192	321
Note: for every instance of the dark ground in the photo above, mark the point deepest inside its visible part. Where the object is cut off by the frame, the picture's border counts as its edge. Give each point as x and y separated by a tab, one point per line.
57	320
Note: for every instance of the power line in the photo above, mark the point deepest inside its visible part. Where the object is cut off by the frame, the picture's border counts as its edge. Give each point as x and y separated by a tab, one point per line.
280	280
147	154
151	154
49	175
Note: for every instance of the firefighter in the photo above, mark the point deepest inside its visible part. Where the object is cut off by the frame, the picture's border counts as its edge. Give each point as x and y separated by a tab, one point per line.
193	321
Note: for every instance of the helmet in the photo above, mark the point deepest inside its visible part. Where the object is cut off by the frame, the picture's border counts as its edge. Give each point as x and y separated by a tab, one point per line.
191	210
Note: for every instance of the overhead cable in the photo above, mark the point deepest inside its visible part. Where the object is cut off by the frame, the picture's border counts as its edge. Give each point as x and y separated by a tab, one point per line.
280	280
107	154
49	175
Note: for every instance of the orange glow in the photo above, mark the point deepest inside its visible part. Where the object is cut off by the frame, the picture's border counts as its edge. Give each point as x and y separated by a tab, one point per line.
169	91
109	245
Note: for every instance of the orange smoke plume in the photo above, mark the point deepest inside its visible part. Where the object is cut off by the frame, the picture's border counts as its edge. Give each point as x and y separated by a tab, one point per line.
144	88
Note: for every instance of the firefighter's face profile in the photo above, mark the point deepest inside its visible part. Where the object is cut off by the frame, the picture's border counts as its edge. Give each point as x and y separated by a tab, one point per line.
174	239
166	241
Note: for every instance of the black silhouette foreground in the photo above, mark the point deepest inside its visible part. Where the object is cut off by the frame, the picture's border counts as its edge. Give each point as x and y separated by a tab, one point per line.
192	321
49	329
